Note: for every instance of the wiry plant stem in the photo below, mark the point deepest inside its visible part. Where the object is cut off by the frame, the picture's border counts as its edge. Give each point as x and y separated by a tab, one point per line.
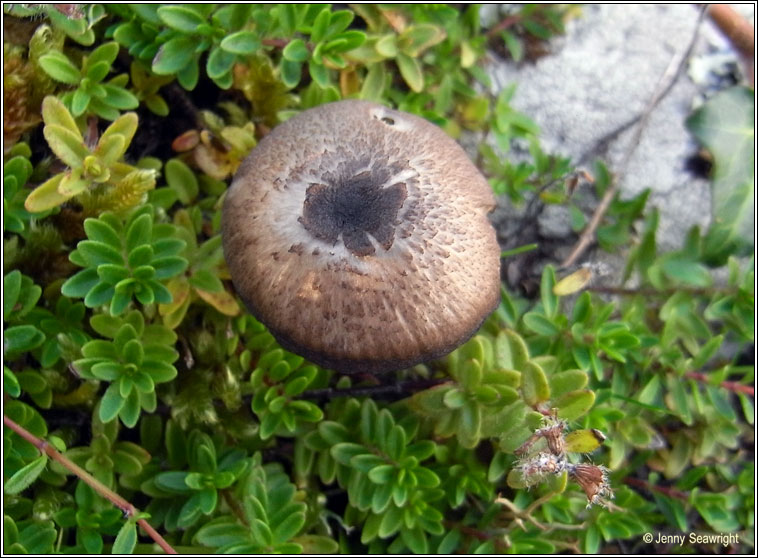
735	387
128	509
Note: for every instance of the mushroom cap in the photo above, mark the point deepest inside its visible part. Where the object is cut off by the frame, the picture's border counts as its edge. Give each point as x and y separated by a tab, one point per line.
359	236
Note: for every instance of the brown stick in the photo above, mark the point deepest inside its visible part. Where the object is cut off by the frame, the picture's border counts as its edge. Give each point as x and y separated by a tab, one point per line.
741	34
735	27
507	22
128	509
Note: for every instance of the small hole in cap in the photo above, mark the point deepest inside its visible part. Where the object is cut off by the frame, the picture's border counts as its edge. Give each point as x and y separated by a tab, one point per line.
388	120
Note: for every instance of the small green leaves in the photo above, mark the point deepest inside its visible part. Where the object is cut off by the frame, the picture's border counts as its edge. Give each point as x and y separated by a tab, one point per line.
121	262
273	511
102	99
277	380
136	359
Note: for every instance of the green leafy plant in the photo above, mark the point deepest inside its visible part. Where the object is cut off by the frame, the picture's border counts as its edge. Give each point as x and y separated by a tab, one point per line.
21	294
106	100
125	260
208	474
99	168
279	377
189	31
274	514
16	172
146	86
136	357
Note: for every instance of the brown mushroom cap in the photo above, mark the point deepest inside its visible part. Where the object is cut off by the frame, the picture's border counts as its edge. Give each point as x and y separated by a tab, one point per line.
359	236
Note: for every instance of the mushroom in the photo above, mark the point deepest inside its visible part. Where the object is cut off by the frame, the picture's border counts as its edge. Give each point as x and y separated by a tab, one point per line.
359	236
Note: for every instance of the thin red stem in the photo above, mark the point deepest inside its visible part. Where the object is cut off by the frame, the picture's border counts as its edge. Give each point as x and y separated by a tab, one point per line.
735	387
666	490
128	509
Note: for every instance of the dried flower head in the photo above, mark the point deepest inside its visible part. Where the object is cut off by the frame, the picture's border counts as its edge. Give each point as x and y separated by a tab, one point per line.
594	481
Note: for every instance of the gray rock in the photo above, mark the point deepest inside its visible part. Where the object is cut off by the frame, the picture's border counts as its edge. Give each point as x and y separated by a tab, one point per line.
602	74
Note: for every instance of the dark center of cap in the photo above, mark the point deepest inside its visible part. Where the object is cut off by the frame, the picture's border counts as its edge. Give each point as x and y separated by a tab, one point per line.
354	205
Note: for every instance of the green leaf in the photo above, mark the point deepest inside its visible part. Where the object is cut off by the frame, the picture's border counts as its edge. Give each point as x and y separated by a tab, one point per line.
540	324
296	51
221	532
724	125
470	424
80	284
111	403
130	411
168	267
417	38
319	73
180	18
59	67
320	25
584	441
101	231
574	404
10	382
25	476
79	102
96	253
207	281
534	384
410	69
290	72
139	233
67	146
46	196
12	287
261	532
288	528
55	112
374	82
125	126
174	56
119	98
22	338
182	180
381	474
548	297
415	539
454	398
241	42
126	539
687	271
104	54
566	381
220	63
511	351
